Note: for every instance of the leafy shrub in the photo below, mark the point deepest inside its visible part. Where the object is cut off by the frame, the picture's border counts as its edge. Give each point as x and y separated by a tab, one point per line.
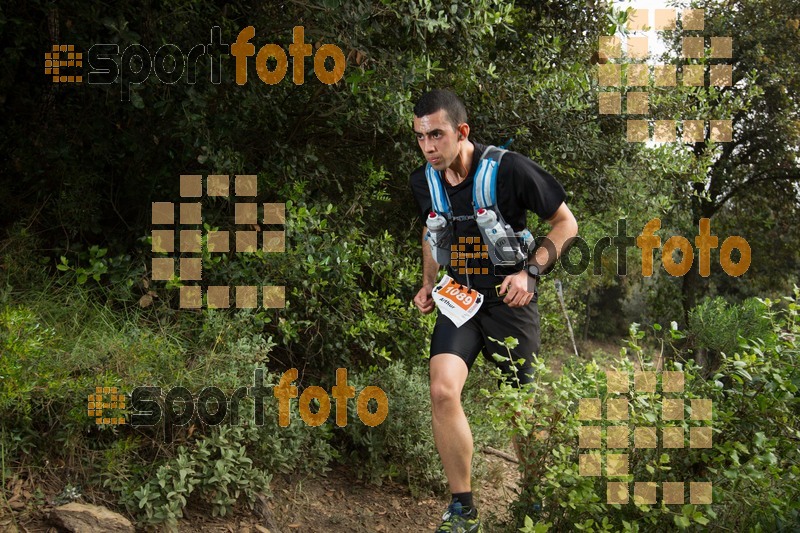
402	446
22	264
216	468
37	390
229	347
331	249
718	326
752	464
58	348
297	448
25	346
221	466
553	325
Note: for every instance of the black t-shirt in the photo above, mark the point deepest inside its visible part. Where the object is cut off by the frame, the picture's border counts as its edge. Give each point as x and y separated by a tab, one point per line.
521	185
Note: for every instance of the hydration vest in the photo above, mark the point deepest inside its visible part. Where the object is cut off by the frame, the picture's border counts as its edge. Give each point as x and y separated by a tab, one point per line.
508	249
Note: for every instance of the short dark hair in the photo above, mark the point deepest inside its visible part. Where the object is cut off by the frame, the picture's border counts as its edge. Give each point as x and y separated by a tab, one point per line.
433	101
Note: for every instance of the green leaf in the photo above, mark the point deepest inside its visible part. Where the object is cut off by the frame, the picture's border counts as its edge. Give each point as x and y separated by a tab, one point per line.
136	100
511	342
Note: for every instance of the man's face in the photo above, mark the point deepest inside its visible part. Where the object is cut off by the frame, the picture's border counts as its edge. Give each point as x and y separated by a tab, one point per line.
437	139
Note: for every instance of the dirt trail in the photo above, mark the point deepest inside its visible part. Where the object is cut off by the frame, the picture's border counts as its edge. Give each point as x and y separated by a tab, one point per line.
339	503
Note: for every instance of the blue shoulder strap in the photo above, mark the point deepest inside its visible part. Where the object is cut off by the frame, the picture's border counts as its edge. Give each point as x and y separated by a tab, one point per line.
484	189
439	200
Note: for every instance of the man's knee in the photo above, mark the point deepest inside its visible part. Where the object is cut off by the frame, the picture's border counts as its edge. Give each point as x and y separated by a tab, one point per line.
448	374
445	394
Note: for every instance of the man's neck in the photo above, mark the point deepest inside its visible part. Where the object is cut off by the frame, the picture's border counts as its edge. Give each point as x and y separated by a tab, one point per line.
461	165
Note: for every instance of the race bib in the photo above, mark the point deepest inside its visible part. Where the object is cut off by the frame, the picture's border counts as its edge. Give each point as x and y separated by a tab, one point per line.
456	302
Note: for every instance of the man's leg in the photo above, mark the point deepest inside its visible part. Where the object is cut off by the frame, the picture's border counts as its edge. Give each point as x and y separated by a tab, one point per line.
451	430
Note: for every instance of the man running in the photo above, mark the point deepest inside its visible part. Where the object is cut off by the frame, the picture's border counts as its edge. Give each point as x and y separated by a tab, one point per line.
508	308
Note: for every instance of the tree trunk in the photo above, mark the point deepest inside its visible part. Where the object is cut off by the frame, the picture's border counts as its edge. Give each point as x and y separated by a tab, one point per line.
694	287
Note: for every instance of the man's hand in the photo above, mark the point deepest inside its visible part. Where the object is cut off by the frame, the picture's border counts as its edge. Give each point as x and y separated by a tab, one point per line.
517	289
423	300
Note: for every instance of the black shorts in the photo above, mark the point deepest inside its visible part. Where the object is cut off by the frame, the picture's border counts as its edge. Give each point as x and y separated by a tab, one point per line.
497	320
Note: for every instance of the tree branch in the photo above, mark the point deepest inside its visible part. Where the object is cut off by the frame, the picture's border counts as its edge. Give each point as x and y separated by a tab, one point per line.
759	178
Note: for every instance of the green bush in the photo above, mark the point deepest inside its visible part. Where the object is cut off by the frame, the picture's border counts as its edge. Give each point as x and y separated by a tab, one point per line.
25	344
555	336
402	446
297	448
752	464
216	468
719	327
230	345
57	347
42	399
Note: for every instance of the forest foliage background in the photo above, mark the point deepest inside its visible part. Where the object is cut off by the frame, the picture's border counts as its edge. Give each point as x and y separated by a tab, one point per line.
81	167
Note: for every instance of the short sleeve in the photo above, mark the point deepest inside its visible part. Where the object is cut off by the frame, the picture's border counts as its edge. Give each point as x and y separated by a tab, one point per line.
537	189
422	196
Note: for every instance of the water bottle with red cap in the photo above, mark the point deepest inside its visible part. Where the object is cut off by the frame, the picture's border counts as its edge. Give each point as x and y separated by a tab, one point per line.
437	237
497	235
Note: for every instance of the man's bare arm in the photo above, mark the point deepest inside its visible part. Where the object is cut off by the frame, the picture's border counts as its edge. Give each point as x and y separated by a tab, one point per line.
563	229
517	287
430	267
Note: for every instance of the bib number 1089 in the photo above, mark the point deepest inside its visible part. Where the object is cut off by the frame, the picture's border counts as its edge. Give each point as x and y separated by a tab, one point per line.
455	302
460	296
